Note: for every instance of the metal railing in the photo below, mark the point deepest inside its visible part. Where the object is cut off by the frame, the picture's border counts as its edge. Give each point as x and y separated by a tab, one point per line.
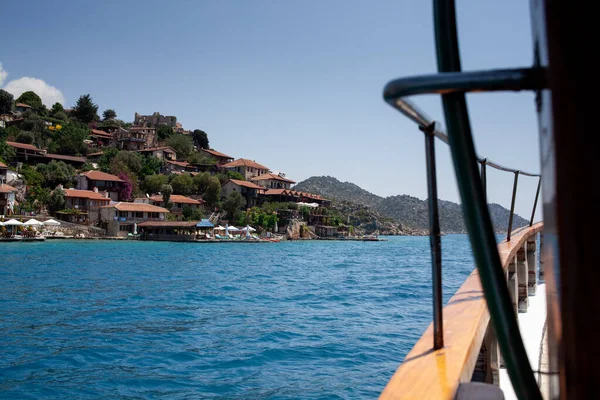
452	84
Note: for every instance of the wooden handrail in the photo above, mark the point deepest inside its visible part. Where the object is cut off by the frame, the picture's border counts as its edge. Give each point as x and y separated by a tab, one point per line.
435	374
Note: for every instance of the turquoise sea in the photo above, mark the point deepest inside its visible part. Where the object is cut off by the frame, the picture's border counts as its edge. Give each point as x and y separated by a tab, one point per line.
143	320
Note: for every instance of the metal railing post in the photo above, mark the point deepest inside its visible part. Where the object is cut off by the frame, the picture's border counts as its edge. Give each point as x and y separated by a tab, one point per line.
484	178
512	206
434	237
537	195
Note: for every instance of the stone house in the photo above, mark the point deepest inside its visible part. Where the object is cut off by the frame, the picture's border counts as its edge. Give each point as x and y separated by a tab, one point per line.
121	218
273	181
101	181
82	206
249	191
248	168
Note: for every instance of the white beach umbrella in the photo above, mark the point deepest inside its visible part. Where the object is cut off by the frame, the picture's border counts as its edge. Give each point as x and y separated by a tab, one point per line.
51	222
33	222
219	228
13	222
233	228
1	223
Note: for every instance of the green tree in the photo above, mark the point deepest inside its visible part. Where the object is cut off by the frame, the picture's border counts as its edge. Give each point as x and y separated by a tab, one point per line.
232	205
6	102
201	181
109	114
106	158
31	99
56	108
57	173
190	214
151	165
153	183
56	202
236	175
200	139
212	193
164	132
25	137
70	139
38	197
6	152
166	191
126	161
182	145
197	157
31	176
85	110
183	184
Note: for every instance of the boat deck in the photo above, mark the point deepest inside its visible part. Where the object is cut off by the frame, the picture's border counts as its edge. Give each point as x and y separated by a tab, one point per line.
532	325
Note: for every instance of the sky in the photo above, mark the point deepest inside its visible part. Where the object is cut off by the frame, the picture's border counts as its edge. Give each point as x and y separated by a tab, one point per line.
294	85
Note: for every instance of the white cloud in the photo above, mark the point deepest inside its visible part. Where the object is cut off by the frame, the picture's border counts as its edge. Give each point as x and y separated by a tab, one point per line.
3	75
48	94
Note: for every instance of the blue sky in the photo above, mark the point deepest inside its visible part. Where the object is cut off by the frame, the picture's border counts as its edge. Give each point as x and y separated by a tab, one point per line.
295	85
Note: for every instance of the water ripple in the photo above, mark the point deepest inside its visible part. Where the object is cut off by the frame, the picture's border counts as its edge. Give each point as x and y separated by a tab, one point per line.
136	320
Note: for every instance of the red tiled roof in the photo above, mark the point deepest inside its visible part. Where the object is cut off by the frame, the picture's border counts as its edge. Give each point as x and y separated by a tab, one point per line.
23	105
167	224
66	158
101	176
246	184
276	192
180	163
267	177
125	206
4	188
2	165
101	133
216	153
163	148
288	192
243	162
177	198
22	146
85	194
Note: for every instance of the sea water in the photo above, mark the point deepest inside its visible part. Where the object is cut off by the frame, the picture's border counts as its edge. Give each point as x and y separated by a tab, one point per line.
289	320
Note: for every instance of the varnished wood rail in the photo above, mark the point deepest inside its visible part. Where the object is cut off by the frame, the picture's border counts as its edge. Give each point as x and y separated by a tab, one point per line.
436	374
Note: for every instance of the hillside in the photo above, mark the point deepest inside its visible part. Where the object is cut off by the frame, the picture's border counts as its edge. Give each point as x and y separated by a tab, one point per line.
410	212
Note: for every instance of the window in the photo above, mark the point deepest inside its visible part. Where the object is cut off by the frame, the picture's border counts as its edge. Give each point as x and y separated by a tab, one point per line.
126	228
123	214
139	214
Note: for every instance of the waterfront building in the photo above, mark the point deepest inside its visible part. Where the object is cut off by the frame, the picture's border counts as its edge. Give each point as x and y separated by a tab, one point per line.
248	168
121	218
273	181
82	206
249	191
101	181
7	198
179	203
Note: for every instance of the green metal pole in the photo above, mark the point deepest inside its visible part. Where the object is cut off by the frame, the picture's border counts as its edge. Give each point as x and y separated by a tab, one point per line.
475	210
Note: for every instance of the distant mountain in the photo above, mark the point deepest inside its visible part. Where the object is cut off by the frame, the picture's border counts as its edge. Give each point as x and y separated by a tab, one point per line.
407	210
